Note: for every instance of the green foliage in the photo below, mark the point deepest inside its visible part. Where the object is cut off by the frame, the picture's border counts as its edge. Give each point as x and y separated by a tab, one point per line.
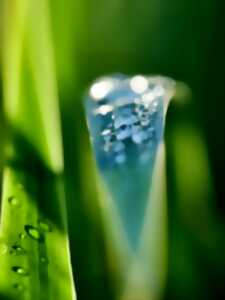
34	247
53	49
34	256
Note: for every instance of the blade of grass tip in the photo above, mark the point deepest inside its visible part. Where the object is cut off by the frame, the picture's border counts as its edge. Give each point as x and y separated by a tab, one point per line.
126	121
35	259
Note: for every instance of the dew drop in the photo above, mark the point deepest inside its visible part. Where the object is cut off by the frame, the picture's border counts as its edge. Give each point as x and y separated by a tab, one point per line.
22	236
44	260
34	233
145	122
107	147
18	250
123	132
127	163
118	146
139	137
120	159
20	270
18	287
136	129
106	132
13	200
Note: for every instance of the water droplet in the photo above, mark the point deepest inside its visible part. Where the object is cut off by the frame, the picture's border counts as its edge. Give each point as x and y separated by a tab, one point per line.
118	146
44	260
3	248
34	233
18	250
18	287
125	120
135	128
44	226
13	200
139	137
20	270
120	159
109	138
104	110
22	236
100	89
107	146
139	84
145	122
106	132
123	132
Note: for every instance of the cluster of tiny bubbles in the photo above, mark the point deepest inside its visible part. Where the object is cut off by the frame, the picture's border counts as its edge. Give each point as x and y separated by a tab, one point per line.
127	111
13	200
34	233
20	270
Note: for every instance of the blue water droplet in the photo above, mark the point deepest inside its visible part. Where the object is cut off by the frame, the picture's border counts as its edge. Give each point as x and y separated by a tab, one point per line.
120	159
118	146
139	137
123	132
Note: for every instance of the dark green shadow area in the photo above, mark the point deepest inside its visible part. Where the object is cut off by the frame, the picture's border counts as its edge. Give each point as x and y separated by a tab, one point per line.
43	186
196	260
4	297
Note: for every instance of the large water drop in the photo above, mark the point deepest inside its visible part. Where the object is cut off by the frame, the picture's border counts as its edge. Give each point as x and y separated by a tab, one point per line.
20	270
34	233
126	140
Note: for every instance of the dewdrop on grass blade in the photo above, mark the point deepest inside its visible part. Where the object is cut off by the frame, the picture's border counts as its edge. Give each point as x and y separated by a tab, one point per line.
128	146
126	126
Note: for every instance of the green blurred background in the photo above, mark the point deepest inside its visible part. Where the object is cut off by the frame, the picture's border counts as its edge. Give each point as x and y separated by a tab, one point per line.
183	39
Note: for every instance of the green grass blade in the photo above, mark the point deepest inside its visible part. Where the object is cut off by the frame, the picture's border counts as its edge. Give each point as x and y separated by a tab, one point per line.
34	258
29	81
34	252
